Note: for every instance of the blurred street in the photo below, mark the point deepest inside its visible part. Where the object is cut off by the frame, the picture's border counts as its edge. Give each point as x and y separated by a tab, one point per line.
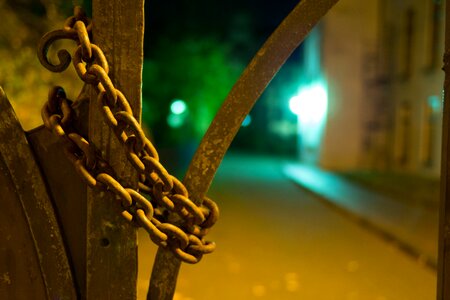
361	95
277	241
412	227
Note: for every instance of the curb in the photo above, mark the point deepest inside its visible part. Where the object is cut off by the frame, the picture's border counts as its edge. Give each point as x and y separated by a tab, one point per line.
407	248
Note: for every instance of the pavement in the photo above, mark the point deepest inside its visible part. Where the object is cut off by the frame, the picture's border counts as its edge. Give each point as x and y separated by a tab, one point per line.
278	241
413	229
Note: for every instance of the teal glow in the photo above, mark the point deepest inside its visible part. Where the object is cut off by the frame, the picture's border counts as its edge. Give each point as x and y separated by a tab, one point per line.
434	103
247	121
310	105
178	107
175	121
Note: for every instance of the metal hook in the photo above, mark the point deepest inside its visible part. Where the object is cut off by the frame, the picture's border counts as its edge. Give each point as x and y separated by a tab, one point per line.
63	55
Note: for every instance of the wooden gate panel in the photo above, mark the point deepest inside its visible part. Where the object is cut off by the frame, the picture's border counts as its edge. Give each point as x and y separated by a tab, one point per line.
20	276
31	240
68	194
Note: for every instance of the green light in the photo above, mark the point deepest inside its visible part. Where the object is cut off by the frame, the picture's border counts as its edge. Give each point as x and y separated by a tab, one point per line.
175	121
310	104
178	107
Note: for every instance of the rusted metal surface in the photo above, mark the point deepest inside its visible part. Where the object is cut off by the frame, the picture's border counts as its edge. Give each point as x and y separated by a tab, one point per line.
67	191
443	285
166	195
68	32
19	263
164	275
69	200
111	242
165	192
96	162
266	63
105	247
34	264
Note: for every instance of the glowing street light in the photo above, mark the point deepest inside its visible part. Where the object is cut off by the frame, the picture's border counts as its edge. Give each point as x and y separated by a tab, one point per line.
178	107
178	113
310	105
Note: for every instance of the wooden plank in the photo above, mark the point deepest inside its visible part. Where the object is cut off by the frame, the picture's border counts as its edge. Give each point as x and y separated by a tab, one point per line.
443	285
37	256
68	194
20	274
111	241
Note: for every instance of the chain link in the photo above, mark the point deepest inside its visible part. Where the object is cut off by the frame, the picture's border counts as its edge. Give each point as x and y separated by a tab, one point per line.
159	194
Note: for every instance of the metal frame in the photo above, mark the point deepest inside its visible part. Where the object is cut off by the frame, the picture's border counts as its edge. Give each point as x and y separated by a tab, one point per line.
443	284
109	255
244	94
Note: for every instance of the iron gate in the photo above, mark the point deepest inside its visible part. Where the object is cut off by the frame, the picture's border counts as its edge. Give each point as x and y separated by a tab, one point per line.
98	260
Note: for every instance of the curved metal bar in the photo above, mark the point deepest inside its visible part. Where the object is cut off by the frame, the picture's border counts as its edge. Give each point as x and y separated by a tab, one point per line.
63	55
443	278
266	63
247	90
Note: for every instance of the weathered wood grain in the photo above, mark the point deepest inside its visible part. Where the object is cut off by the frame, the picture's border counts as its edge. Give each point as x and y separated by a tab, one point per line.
68	194
111	241
33	260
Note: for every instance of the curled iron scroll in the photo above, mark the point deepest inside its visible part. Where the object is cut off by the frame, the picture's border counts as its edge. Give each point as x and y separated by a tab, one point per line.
63	55
68	33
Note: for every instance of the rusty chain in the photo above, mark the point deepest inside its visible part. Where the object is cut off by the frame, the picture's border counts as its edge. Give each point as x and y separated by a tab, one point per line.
159	195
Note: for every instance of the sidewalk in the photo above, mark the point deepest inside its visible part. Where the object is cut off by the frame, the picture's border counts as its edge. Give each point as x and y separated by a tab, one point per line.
412	229
278	241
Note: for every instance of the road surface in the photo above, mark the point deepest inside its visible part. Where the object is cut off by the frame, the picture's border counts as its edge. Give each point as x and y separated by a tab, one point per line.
277	241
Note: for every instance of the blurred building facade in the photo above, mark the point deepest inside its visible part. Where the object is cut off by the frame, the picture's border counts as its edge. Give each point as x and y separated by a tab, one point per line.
349	37
411	51
381	60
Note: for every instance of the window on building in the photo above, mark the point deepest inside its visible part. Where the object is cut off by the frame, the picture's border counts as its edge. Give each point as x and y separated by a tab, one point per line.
404	134
409	43
434	40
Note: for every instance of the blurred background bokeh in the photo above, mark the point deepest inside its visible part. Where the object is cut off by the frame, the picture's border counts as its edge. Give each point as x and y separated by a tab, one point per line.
360	100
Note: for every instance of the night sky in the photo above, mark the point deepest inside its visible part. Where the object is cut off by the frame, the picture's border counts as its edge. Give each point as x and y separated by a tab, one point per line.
222	19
